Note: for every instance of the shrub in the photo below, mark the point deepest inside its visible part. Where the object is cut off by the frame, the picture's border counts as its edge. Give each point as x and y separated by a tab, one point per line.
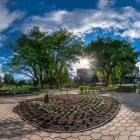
84	89
138	86
81	89
125	88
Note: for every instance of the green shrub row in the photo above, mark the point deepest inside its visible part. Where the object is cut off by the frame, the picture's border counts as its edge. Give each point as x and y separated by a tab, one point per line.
138	86
125	88
84	88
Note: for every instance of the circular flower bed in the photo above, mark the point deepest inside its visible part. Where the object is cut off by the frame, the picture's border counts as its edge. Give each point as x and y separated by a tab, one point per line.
69	113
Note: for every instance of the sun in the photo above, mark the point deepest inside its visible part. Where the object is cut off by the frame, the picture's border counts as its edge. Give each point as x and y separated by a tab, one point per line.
84	63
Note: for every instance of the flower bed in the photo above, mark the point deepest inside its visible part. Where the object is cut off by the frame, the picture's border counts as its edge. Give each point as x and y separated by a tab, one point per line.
69	113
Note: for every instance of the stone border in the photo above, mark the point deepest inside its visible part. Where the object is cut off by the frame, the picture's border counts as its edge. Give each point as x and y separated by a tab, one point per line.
48	130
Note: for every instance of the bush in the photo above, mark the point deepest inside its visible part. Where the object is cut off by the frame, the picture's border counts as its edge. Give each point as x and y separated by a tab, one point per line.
125	88
81	89
138	86
84	89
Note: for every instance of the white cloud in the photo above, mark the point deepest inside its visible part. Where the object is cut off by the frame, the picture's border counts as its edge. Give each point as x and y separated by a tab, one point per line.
7	17
138	65
105	3
2	58
1	72
102	3
134	33
83	21
2	37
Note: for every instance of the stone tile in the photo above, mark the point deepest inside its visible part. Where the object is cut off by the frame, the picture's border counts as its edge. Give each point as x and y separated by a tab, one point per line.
87	133
96	135
47	138
118	124
136	133
76	134
123	138
115	121
138	128
58	139
107	138
24	139
65	135
114	133
35	137
96	130
131	128
110	124
4	138
111	128
135	124
121	128
85	138
122	121
55	135
126	124
126	133
104	132
134	138
44	134
72	138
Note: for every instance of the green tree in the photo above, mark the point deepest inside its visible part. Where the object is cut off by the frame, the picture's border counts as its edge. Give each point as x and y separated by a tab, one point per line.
113	55
61	51
8	79
41	55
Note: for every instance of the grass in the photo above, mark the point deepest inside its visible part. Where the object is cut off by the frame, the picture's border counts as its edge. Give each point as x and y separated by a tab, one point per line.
11	90
16	87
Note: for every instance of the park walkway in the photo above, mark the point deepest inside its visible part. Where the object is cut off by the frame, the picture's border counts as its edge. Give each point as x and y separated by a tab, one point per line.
125	126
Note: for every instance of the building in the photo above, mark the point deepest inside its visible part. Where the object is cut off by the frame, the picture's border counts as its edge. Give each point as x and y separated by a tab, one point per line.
84	75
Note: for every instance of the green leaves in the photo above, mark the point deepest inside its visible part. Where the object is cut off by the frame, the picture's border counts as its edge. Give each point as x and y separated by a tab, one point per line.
46	57
113	55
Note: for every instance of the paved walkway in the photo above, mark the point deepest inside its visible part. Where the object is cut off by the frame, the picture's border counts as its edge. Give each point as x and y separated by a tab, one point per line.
125	126
132	100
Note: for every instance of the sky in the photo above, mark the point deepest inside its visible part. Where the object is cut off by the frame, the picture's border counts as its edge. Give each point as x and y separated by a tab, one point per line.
119	19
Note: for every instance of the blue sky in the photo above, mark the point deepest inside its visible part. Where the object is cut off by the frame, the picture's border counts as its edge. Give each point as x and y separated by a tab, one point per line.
86	18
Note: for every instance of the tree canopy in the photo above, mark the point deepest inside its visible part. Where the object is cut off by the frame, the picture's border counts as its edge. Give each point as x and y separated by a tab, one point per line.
114	57
48	57
45	56
8	79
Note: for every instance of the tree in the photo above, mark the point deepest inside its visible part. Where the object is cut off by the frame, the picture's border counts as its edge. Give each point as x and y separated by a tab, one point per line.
21	83
1	81
8	79
61	51
41	55
113	54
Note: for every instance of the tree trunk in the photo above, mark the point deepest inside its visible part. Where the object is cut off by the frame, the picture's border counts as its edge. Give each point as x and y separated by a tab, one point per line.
41	77
107	80
35	82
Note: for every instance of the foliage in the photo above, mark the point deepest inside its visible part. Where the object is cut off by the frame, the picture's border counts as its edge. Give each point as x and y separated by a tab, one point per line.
138	86
81	89
45	57
123	88
114	57
8	79
84	89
